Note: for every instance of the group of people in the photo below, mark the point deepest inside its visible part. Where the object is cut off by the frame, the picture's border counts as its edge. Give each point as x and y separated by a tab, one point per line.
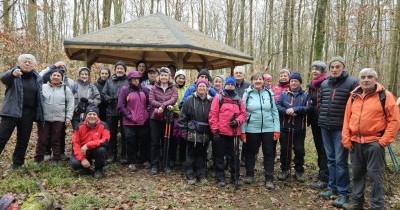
163	121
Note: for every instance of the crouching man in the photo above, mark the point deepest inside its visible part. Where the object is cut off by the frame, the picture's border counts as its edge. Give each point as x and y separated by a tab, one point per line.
89	143
371	122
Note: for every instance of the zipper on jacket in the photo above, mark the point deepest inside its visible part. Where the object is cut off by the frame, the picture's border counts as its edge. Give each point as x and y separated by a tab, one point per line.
262	116
362	140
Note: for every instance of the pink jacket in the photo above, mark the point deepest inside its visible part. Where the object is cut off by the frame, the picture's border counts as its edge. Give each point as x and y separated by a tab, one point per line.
220	117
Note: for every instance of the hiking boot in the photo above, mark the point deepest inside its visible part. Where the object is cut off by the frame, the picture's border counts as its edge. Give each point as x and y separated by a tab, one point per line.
327	194
154	170
47	157
98	174
203	181
353	205
340	201
167	170
300	177
269	185
283	175
248	179
236	182
16	167
132	167
191	181
319	185
221	183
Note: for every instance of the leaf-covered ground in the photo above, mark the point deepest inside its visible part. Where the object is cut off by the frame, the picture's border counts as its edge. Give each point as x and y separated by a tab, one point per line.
122	189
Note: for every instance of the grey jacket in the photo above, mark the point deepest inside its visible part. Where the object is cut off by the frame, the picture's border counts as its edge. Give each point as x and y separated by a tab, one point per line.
54	107
13	99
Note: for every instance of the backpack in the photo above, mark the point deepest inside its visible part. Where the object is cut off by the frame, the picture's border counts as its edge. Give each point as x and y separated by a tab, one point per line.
8	202
382	100
222	101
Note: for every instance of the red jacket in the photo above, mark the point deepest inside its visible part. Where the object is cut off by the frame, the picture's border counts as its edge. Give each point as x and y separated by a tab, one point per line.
364	119
92	137
220	117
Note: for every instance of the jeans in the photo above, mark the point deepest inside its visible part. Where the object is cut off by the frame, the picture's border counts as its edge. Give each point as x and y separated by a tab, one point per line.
24	129
323	173
99	155
368	159
339	178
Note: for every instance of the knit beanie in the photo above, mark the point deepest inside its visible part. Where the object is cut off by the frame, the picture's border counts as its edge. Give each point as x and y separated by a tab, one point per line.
165	70
83	69
180	72
285	70
220	76
320	65
296	75
204	72
230	80
122	63
92	108
153	69
337	58
267	77
199	81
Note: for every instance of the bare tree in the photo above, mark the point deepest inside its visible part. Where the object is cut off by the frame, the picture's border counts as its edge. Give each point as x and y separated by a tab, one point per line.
395	51
320	29
106	13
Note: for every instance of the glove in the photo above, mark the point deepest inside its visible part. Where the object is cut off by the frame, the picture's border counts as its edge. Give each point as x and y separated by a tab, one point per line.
277	135
243	137
234	124
84	100
217	137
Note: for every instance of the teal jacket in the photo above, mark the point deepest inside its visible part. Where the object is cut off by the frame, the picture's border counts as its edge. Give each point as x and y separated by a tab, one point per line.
262	113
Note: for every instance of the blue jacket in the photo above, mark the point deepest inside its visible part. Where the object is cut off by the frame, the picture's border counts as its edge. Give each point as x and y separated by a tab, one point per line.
261	117
301	103
13	99
191	89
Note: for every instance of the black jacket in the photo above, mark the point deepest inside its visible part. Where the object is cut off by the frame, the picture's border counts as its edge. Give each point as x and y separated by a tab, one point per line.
333	96
110	93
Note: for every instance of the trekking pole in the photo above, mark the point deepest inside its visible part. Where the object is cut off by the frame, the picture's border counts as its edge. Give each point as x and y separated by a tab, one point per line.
394	159
164	145
236	155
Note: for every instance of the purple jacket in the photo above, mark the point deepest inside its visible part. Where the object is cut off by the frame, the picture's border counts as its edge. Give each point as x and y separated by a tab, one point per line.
132	103
160	98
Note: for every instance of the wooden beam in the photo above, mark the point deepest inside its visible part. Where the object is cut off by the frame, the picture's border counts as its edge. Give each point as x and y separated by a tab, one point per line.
179	62
186	57
172	56
90	57
76	54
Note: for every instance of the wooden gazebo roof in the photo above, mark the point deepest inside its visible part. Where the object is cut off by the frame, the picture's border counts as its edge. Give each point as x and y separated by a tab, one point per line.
157	39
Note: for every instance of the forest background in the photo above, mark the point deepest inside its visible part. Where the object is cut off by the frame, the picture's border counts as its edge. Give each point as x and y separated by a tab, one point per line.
288	33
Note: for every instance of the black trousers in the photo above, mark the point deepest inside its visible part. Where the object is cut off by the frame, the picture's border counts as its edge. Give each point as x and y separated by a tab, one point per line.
195	164
62	143
113	123
133	135
225	147
157	128
289	140
254	140
98	155
24	129
323	173
144	145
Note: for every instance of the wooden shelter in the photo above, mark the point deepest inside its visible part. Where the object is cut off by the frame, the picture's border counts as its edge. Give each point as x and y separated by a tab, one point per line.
157	39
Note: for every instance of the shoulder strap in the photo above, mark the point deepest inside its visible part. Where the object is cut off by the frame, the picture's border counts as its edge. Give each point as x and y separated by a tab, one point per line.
382	100
65	101
221	101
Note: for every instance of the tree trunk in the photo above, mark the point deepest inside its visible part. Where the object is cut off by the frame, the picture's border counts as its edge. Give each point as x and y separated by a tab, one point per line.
251	28
341	28
285	34
117	11
395	51
290	37
241	35
6	13
320	30
32	19
76	19
229	23
107	13
201	16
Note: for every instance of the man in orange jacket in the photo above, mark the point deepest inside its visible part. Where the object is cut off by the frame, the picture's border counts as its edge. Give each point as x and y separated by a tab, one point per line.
367	129
89	142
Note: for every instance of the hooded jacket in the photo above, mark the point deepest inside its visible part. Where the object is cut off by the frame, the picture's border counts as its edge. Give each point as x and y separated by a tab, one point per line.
192	88
133	105
54	99
333	96
261	117
220	116
111	92
279	89
365	120
241	87
13	98
92	137
160	98
300	101
87	90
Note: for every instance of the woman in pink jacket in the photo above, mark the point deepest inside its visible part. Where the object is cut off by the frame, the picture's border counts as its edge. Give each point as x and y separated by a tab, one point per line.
226	116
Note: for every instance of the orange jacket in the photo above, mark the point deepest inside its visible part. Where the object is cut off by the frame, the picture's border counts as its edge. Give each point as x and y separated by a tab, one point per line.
365	121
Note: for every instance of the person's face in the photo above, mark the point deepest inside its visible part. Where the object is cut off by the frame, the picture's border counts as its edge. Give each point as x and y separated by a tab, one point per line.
294	83
230	86
238	74
91	117
134	81
164	78
336	68
218	83
315	72
141	68
268	82
367	81
284	77
203	77
152	76
119	71
202	89
104	75
180	80
84	75
26	65
56	77
257	82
